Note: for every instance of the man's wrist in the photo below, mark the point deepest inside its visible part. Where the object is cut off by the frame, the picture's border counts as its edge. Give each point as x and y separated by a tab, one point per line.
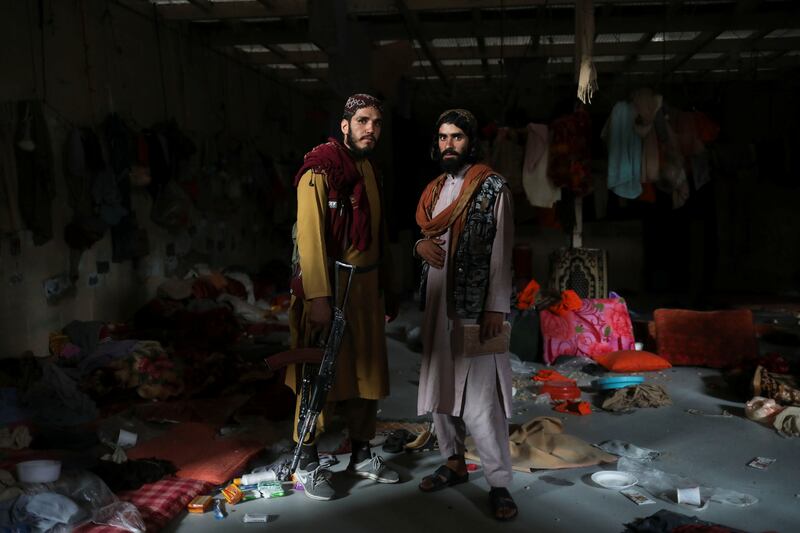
414	250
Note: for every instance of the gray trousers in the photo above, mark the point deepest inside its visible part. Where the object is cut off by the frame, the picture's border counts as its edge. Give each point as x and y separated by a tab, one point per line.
485	418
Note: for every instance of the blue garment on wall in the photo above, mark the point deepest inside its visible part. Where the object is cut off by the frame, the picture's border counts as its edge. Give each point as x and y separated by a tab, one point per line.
624	152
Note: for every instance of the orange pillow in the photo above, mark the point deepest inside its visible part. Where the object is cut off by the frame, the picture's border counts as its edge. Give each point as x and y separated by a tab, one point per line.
632	361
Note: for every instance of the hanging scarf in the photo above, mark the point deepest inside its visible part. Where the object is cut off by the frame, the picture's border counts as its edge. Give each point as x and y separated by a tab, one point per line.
454	215
349	214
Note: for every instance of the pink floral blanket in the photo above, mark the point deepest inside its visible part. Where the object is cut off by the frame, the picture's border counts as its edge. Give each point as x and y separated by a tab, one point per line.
599	326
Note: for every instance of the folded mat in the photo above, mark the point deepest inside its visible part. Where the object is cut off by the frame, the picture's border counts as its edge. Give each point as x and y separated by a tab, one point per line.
198	453
541	444
157	502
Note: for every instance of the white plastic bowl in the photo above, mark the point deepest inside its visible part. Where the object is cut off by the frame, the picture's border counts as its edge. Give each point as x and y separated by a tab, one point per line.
42	471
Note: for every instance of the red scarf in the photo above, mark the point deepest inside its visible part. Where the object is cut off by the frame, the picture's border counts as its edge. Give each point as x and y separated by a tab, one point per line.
350	220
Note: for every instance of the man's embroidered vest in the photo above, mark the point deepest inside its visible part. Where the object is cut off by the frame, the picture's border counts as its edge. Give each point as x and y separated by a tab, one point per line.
474	253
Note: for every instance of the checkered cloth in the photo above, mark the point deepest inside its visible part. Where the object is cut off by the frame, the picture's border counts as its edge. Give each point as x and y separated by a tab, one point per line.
158	502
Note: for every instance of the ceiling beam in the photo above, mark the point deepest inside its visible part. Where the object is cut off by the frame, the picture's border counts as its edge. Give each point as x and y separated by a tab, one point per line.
419	34
605	68
271	58
643	47
287	59
299	8
700	42
476	22
278	32
205	5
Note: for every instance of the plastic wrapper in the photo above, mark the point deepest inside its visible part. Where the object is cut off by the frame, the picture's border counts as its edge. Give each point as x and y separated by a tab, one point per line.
572	368
665	485
523	367
94	500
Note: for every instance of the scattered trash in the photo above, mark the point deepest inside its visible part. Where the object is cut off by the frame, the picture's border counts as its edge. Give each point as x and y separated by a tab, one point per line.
574	408
522	367
253	518
664	485
256	476
232	494
611	479
722	414
688	496
200	504
219	510
636	496
543	399
626	449
761	463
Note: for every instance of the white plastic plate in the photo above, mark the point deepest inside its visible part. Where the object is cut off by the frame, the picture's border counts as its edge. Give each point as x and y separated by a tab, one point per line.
612	479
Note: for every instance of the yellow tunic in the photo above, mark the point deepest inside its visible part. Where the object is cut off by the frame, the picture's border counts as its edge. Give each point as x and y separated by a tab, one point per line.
361	367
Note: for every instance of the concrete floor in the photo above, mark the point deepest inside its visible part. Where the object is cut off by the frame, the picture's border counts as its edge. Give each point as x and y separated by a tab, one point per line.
712	450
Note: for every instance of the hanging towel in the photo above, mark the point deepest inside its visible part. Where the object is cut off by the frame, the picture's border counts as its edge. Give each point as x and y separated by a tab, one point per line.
539	188
624	152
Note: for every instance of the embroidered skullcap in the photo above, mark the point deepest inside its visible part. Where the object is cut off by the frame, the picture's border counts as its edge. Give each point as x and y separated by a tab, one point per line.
359	101
452	116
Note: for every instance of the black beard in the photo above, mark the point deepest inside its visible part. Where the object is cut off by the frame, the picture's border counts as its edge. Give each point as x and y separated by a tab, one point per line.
451	165
358	153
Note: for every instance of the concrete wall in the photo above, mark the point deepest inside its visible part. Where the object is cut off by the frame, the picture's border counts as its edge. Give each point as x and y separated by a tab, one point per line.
91	57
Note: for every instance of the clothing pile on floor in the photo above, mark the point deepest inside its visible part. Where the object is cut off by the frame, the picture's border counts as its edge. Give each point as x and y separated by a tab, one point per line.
143	416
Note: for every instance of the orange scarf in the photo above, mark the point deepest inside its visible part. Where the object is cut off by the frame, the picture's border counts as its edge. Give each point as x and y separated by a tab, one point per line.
454	215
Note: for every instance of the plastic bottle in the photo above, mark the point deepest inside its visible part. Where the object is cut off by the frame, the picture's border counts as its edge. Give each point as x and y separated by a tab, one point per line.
219	510
256	477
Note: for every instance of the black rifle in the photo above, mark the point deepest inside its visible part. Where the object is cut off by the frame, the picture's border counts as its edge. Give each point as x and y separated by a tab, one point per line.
311	404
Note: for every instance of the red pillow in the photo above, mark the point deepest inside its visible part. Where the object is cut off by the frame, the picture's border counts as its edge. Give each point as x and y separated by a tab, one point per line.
632	361
718	339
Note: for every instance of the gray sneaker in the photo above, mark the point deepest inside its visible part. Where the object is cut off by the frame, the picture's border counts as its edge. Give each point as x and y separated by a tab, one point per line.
375	469
316	481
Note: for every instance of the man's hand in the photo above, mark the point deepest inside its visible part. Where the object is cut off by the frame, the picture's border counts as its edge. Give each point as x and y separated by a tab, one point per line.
320	313
431	251
491	325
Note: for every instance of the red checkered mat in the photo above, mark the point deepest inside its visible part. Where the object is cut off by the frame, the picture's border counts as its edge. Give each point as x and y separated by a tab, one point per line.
158	502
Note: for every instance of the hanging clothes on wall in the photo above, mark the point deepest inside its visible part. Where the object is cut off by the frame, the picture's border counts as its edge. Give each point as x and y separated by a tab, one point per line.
507	157
624	151
128	241
671	173
35	172
570	155
647	103
693	129
539	189
10	217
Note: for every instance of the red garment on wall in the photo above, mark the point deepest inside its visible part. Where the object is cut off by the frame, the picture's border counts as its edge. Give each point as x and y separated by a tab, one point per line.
570	155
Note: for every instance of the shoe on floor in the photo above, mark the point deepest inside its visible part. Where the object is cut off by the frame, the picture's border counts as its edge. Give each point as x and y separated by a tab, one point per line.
375	469
316	481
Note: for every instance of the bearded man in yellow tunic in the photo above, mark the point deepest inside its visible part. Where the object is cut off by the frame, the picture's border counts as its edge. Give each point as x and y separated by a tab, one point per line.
339	218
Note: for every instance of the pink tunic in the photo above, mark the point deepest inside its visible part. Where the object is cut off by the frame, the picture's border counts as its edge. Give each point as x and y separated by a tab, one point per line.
444	372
